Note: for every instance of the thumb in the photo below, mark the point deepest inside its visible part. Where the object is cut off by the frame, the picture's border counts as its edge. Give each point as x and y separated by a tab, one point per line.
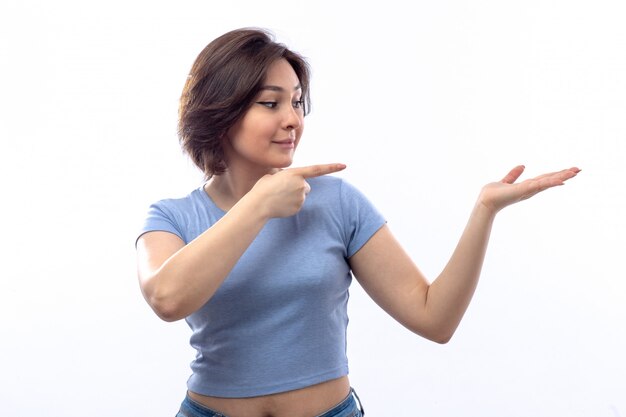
513	175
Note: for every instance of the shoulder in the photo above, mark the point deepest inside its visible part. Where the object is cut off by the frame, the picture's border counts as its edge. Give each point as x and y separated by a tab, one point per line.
186	216
325	183
330	184
181	204
358	218
339	194
340	189
327	190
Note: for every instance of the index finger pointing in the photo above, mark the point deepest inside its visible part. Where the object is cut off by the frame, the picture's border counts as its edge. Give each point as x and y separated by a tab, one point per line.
317	170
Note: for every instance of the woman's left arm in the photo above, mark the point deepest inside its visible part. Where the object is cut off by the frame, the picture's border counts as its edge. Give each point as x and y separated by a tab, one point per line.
435	310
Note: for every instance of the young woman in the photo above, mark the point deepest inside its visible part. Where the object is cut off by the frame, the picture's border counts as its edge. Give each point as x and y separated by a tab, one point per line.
260	258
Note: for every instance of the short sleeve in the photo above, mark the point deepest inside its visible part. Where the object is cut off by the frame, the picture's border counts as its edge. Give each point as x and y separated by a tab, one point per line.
360	218
160	218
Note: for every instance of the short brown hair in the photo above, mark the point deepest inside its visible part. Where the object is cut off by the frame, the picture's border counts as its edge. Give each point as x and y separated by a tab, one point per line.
222	84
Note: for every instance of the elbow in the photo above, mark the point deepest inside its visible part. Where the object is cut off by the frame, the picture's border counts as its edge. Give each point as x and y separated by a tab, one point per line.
442	339
443	334
439	335
165	306
166	312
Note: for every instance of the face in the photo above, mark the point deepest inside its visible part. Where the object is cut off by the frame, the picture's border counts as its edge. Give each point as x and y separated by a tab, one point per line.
267	135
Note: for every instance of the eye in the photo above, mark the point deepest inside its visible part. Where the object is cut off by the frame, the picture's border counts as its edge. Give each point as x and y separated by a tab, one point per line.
298	104
268	104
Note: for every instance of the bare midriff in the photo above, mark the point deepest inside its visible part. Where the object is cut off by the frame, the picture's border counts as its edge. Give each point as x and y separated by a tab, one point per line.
306	402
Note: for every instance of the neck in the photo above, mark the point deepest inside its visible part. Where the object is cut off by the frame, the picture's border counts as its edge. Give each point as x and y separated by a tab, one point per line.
228	188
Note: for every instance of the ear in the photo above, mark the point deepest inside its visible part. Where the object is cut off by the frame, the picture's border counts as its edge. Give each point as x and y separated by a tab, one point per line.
225	139
225	151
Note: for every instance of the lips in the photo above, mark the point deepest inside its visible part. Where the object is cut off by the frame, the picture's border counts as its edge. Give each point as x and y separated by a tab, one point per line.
285	141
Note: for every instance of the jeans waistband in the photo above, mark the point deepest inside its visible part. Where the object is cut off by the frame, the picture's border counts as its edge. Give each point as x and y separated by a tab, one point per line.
190	408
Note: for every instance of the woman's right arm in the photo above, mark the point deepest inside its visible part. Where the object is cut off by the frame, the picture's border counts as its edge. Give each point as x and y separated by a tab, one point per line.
177	279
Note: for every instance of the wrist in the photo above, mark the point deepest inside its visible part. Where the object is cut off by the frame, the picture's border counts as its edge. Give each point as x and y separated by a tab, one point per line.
485	210
256	206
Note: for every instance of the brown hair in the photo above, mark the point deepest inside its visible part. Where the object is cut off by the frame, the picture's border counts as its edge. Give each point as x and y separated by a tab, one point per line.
222	84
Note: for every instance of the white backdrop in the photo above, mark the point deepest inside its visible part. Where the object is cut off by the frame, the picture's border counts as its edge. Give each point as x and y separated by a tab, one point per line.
424	103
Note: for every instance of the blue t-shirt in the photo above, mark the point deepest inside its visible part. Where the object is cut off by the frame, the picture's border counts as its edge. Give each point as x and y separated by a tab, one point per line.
278	321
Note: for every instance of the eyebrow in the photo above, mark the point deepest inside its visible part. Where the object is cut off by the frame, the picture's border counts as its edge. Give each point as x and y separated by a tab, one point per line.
279	89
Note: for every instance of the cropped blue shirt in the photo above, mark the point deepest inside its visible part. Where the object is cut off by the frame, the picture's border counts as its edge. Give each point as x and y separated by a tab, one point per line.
278	321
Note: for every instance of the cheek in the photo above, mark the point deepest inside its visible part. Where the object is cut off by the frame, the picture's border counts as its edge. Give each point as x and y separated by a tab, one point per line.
246	132
260	128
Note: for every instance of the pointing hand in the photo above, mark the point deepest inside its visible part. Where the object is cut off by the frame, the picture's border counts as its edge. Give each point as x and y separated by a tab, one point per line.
282	194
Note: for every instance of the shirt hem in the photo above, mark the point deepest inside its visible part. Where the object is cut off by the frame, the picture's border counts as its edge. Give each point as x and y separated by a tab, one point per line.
219	391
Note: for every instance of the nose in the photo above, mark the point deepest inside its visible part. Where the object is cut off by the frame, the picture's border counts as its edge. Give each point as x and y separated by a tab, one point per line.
292	118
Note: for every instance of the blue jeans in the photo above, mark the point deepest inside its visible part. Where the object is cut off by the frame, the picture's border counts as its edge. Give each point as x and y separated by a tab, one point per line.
346	408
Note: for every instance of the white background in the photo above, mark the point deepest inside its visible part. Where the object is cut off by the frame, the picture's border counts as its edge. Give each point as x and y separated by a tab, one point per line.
424	103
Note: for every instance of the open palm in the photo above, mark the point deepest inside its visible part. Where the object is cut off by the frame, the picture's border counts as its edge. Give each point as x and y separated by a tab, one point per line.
498	195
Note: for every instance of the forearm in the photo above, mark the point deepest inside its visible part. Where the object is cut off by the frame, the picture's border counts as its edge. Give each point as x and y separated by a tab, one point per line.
435	310
449	295
190	277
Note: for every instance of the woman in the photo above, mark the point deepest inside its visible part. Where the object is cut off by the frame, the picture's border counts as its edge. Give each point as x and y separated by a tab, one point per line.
259	259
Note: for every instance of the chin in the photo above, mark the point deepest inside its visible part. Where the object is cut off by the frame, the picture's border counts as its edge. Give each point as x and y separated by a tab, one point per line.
283	163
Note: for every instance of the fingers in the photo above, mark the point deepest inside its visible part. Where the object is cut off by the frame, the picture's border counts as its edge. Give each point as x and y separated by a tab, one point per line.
558	177
546	181
317	170
561	176
570	172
